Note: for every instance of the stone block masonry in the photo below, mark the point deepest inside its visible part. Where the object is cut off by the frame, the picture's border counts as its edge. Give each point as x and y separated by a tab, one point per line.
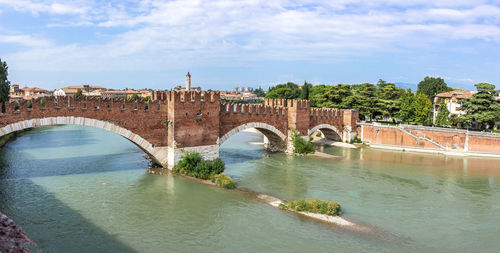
174	121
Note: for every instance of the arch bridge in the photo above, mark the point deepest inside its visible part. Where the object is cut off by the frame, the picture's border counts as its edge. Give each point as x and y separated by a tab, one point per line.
173	122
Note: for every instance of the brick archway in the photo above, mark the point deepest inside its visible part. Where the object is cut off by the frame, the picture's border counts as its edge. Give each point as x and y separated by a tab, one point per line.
330	132
277	139
148	148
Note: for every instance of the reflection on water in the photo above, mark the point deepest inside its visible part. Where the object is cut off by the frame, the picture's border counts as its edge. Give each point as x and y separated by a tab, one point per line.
80	189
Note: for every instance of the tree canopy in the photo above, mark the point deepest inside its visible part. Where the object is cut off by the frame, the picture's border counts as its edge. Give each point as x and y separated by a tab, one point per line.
4	82
287	91
481	108
79	94
431	86
259	92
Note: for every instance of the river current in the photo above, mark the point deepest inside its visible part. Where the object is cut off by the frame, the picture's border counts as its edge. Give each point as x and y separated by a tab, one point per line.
82	189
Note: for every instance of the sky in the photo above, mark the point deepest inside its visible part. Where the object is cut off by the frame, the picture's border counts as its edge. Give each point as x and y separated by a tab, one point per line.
224	44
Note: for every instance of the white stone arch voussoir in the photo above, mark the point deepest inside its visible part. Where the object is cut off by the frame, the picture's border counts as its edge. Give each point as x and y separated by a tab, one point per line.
70	120
257	125
323	126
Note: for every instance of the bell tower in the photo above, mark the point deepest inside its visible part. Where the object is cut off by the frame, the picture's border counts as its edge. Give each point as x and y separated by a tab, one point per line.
188	82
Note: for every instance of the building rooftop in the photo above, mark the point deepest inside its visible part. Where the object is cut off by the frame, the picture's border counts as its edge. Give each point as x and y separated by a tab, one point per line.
455	93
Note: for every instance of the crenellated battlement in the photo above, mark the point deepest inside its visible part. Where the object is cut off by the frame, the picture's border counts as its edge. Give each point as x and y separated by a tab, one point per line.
326	112
187	96
294	103
242	109
87	103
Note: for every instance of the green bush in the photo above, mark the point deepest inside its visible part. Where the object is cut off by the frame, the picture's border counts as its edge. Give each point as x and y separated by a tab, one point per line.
224	181
356	140
192	164
300	145
331	208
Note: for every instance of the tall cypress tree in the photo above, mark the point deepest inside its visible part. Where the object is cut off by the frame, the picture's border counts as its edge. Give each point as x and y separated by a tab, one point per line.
443	114
4	84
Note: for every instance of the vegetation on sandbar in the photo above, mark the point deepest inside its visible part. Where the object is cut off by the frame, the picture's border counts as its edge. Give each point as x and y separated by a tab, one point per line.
192	164
301	146
331	208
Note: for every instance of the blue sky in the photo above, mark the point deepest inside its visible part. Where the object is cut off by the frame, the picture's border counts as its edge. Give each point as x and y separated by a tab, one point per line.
153	43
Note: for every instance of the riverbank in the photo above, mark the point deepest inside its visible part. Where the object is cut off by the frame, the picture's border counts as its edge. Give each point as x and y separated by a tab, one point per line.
12	237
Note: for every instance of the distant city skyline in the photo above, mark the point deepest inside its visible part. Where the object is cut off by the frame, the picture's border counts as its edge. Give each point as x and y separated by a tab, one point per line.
153	44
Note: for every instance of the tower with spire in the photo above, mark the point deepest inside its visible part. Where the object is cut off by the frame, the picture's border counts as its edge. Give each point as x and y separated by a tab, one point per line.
188	82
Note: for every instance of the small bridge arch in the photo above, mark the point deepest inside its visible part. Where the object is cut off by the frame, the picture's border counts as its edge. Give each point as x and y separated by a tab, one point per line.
158	155
276	138
330	132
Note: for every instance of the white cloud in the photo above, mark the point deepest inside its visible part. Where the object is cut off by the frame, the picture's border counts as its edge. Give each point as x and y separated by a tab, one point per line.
159	33
25	40
36	7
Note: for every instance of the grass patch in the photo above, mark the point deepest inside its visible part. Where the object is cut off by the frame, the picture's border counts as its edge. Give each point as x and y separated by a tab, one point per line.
331	208
192	164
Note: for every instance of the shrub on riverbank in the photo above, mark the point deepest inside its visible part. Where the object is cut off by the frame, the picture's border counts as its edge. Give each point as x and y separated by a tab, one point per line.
192	164
331	208
224	181
301	146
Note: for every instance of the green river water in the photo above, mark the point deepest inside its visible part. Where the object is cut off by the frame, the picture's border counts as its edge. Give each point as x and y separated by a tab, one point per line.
81	189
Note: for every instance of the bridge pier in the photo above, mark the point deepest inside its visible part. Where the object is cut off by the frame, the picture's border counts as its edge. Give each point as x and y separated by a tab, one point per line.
209	152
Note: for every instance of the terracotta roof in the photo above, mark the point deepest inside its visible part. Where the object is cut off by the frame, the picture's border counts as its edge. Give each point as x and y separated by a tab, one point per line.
455	93
120	92
32	88
81	87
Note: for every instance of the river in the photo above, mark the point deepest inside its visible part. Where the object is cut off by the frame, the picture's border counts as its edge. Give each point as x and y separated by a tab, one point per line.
81	189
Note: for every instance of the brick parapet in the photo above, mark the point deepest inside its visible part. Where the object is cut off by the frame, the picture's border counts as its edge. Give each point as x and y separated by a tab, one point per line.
117	111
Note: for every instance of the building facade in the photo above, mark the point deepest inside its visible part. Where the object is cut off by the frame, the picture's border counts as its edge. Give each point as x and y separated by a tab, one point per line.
450	99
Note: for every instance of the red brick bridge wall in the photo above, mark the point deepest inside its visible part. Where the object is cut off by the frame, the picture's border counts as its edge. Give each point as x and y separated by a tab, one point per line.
149	124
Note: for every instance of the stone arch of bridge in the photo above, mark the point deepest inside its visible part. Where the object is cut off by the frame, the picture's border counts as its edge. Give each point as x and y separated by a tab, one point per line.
276	140
157	154
330	132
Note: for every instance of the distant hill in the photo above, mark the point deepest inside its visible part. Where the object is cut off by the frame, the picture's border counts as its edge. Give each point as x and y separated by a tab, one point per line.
405	86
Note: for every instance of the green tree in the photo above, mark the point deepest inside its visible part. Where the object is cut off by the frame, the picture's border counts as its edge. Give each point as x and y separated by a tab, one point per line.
330	96
481	108
406	113
442	118
135	97
78	94
305	90
4	84
390	96
431	86
287	91
259	92
316	96
422	107
369	103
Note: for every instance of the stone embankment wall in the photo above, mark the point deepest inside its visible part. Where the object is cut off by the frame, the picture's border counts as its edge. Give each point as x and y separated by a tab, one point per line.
420	138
